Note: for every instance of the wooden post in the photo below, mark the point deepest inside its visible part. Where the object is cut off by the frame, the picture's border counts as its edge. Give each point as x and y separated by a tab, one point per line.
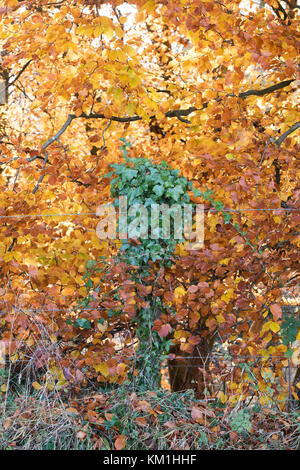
3	86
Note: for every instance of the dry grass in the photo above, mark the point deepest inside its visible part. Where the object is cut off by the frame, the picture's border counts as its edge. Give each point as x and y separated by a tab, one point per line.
39	420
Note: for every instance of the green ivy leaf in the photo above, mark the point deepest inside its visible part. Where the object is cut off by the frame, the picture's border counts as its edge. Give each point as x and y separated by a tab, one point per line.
82	323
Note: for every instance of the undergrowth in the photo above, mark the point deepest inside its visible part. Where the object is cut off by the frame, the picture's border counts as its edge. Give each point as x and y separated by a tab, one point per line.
151	420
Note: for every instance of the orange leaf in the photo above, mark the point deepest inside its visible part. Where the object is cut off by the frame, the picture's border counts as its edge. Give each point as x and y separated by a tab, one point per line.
68	291
72	410
120	442
140	421
276	311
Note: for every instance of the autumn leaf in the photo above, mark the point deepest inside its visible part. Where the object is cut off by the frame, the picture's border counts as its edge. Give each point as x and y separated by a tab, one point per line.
140	421
102	368
197	414
36	385
68	291
276	311
165	330
120	442
72	411
81	435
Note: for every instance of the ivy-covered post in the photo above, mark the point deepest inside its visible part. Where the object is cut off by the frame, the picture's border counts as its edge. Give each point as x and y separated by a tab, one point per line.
149	189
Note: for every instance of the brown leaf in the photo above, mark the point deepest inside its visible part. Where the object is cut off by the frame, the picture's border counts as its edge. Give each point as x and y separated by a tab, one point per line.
196	414
120	442
140	421
233	436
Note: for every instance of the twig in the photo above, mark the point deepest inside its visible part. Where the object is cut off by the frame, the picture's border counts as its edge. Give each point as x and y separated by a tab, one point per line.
19	73
277	142
42	176
16	177
103	136
55	137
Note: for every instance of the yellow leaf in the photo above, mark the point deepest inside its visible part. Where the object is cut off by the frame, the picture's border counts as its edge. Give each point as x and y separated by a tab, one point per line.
109	32
102	368
268	337
13	358
296	357
181	334
149	6
36	385
222	397
129	50
230	156
224	262
179	292
130	109
60	384
229	294
275	327
75	354
213	220
68	291
220	318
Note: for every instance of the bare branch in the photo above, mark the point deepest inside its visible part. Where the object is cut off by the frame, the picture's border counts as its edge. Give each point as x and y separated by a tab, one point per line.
265	91
12	244
60	132
55	137
19	73
179	113
42	176
103	135
111	118
293	128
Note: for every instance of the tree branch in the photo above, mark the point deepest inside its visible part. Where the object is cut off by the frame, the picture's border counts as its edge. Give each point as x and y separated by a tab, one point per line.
267	90
19	73
293	128
55	137
60	132
102	116
178	113
42	176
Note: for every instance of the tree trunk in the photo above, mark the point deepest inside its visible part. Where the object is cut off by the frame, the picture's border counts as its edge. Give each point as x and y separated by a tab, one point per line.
189	371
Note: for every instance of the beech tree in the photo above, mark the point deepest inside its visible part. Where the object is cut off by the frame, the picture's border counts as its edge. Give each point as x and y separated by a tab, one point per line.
211	88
